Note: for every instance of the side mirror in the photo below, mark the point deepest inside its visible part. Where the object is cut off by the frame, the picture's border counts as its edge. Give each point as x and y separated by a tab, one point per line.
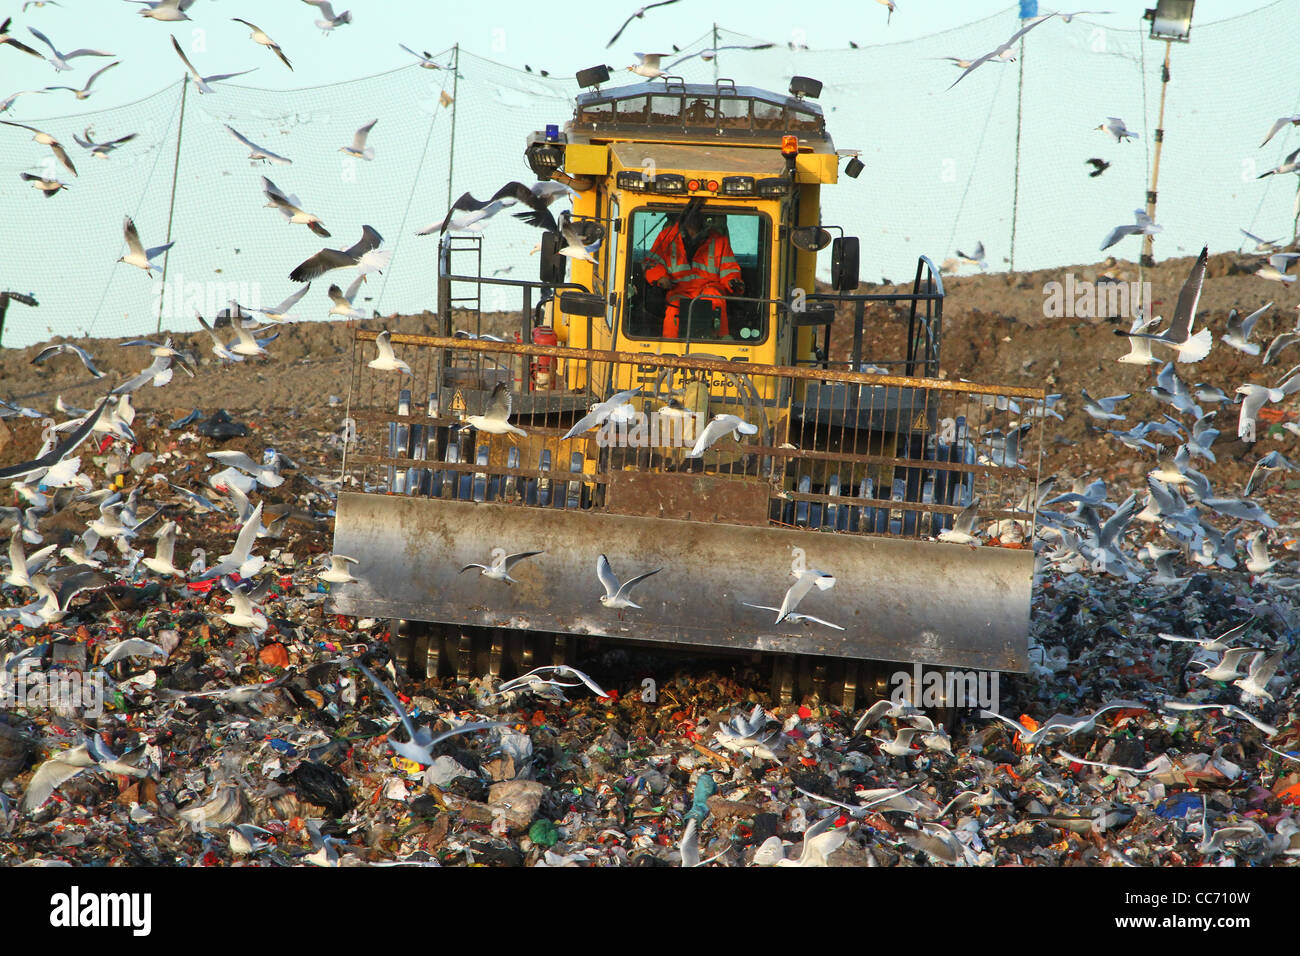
553	264
844	264
810	238
582	303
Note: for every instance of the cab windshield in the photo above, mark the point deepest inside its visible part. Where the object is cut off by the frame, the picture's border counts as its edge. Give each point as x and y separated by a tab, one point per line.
683	285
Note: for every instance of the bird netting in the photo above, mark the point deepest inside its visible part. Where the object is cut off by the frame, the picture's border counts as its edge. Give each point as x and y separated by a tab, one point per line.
942	171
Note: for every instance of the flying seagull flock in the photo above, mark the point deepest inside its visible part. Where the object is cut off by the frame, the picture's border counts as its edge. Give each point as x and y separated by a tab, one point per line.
97	528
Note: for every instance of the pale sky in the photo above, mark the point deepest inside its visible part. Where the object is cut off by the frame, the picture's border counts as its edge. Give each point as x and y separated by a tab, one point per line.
560	38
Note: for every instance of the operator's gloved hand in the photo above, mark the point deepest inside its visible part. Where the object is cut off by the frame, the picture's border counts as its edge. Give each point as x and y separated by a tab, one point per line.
736	286
664	283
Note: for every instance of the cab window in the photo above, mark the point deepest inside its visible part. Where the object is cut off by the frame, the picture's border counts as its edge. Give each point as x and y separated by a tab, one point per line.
717	314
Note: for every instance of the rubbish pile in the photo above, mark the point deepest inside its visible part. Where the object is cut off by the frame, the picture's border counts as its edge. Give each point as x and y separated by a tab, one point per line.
212	711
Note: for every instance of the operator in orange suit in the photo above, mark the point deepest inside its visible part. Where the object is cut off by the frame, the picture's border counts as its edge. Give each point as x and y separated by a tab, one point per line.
692	262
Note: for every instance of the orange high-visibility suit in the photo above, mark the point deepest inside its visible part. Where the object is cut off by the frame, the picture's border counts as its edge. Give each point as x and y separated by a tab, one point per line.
706	274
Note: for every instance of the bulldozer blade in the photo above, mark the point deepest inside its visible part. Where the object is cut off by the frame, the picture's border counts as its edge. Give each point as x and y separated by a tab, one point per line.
897	599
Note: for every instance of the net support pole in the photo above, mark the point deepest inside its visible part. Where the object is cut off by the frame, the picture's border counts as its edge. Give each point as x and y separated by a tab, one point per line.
171	203
451	146
1148	259
715	54
1015	186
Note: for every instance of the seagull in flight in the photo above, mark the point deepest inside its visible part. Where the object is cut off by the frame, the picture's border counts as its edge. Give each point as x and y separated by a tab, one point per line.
1281	123
1142	226
1179	337
5	38
1099	166
617	404
648	65
290	207
167	11
328	20
499	569
419	748
1290	165
496	419
100	150
359	149
201	82
638	15
280	313
137	255
708	54
45	139
259	36
329	259
1003	51
1114	126
256	152
963	526
47	186
720	426
1277	265
60	60
67	348
1239	330
84	92
343	300
387	361
338	572
618	595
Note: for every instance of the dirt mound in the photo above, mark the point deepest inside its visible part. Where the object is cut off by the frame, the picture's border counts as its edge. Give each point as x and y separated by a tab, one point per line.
996	330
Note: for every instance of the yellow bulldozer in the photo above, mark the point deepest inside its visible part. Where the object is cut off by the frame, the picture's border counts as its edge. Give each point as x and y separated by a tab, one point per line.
734	449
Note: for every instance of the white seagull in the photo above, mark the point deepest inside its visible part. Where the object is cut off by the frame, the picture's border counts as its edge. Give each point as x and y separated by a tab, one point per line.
201	82
616	406
168	11
387	360
618	596
359	149
1114	126
45	139
1239	330
648	65
1003	50
337	572
495	420
343	300
259	36
1179	337
329	259
137	255
290	207
1142	226
499	569
60	60
280	313
721	425
83	92
328	20
256	152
